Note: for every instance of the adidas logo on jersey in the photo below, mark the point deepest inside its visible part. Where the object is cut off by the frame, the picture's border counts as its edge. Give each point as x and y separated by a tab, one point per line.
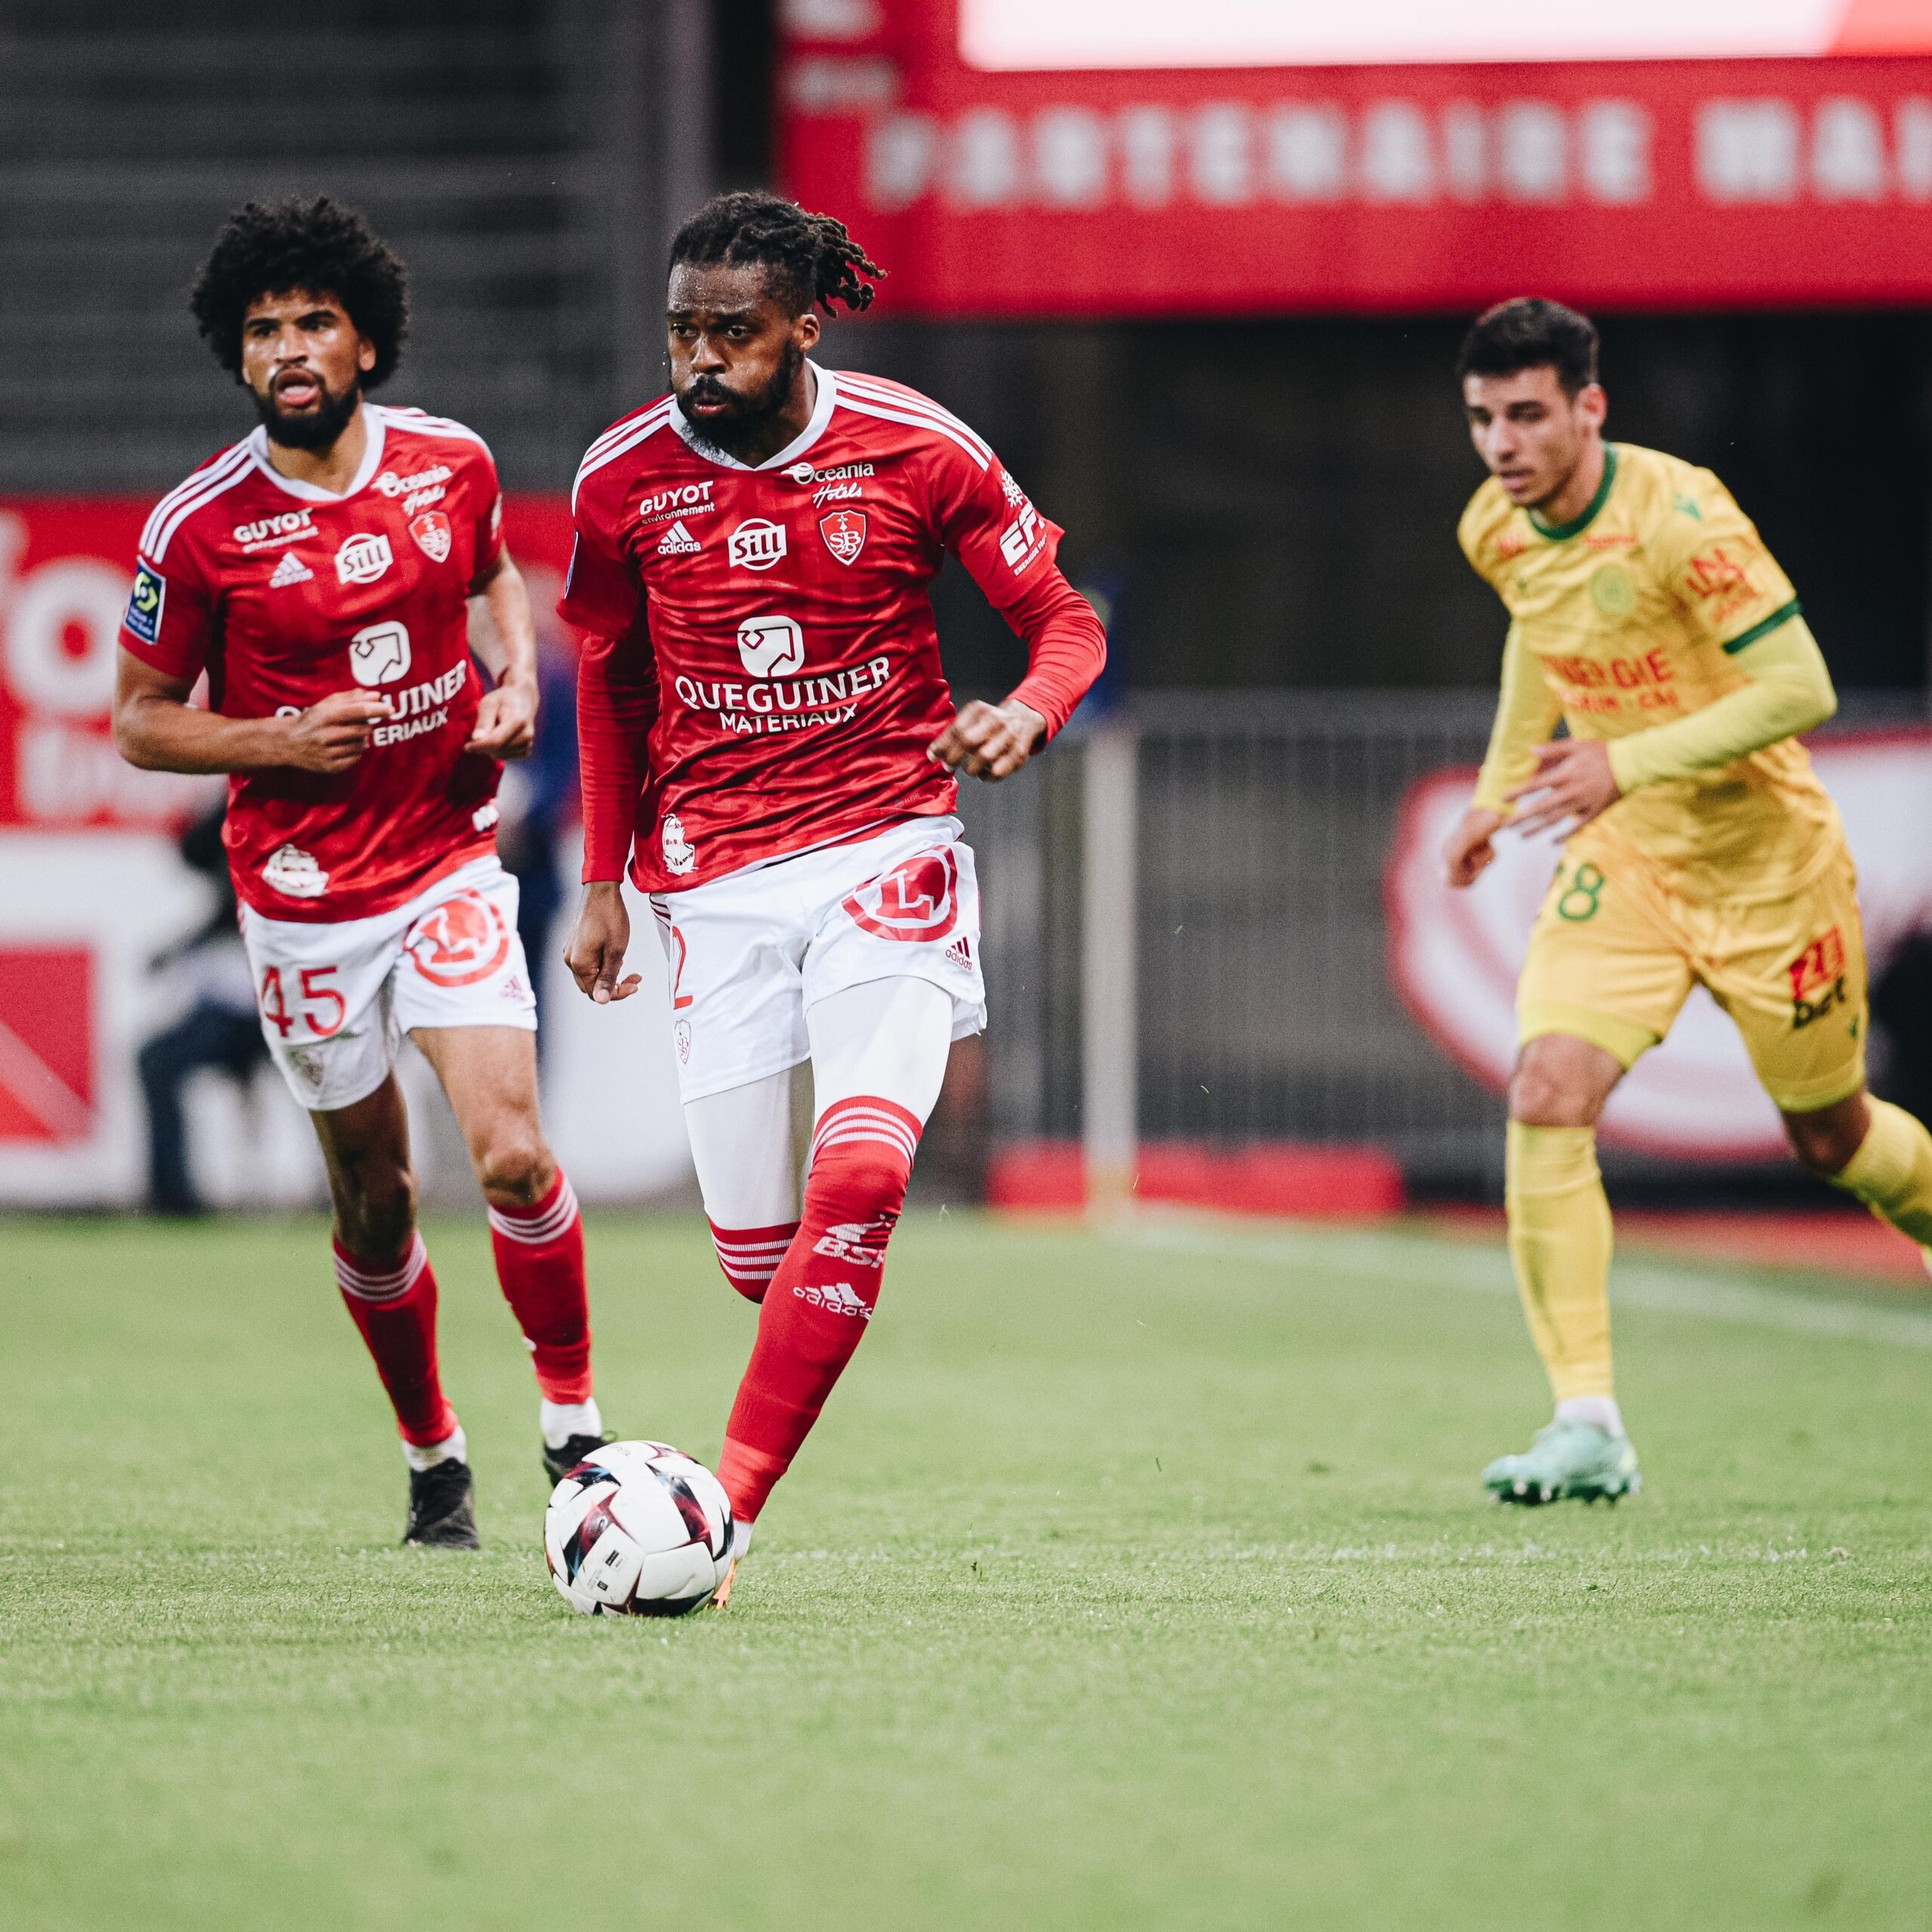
835	1298
678	542
291	570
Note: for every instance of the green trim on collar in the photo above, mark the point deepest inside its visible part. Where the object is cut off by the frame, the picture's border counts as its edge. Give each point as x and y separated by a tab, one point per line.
1793	609
1561	532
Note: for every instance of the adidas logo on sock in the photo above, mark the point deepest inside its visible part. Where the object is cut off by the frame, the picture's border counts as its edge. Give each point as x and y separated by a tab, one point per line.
960	953
291	570
835	1298
678	541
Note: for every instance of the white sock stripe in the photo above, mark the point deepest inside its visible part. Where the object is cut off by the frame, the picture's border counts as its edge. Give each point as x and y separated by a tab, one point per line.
535	1230
856	1121
390	1286
777	1245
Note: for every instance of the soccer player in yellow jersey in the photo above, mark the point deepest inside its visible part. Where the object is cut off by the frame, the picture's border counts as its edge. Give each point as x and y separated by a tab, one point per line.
1646	615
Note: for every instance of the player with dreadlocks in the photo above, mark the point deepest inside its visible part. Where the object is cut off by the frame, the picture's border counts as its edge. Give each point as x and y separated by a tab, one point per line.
769	744
322	573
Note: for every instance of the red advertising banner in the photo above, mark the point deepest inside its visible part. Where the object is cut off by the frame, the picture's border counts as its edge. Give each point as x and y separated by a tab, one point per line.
66	568
1140	190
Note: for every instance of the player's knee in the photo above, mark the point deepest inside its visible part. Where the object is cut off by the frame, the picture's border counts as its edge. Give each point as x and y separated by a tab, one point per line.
515	1167
1541	1097
376	1211
861	1184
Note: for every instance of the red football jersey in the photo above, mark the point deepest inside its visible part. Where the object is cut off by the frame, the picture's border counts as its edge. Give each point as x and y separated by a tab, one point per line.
774	625
284	593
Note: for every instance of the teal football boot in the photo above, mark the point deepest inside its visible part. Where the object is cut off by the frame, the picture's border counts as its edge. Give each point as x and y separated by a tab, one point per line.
1567	1459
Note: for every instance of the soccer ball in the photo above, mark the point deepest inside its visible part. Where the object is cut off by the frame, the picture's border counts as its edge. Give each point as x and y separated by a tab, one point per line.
637	1529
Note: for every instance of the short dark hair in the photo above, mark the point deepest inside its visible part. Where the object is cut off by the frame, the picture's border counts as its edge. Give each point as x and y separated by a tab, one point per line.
277	248
812	257
1531	333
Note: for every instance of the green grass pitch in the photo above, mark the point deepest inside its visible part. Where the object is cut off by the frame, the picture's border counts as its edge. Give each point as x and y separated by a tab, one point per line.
1136	1581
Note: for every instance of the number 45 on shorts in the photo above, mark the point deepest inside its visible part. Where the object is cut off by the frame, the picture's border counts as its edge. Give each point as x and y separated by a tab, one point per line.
321	1009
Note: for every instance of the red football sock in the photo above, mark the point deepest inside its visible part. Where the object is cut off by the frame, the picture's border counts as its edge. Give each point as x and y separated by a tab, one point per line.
540	1262
749	1257
822	1293
394	1304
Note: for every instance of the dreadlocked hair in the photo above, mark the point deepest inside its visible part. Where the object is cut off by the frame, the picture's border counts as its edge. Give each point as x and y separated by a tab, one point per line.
318	247
810	257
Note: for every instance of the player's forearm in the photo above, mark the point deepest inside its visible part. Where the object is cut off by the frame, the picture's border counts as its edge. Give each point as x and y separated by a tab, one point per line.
162	734
506	598
616	705
1527	711
1067	650
1790	693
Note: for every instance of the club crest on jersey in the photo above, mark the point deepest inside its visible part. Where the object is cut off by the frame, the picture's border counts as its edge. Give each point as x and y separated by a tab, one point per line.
378	654
291	570
144	604
363	558
757	544
459	942
844	533
680	855
433	535
917	900
678	542
294	873
771	646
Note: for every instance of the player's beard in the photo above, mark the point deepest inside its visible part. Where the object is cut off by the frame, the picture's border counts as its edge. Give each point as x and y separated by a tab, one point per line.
315	429
744	429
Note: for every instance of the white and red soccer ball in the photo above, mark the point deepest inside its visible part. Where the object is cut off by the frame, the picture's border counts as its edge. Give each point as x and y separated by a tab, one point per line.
638	1530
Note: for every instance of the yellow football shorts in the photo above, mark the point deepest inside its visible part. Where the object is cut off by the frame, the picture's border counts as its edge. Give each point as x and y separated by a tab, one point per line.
1614	953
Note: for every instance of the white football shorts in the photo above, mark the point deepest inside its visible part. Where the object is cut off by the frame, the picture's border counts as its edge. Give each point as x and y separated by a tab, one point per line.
748	953
335	1000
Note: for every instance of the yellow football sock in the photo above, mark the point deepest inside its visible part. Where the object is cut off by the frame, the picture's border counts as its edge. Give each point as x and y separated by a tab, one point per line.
1891	1173
1559	1243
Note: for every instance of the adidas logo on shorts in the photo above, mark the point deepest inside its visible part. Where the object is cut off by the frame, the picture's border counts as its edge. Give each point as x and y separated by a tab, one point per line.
836	1298
960	953
678	541
291	570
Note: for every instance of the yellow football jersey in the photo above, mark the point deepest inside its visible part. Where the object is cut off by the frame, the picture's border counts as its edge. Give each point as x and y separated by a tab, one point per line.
1636	611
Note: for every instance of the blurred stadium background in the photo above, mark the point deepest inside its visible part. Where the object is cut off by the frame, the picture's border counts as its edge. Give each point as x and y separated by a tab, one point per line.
1202	288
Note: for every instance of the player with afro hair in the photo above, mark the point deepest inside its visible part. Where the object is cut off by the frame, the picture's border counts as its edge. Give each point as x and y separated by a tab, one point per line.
313	247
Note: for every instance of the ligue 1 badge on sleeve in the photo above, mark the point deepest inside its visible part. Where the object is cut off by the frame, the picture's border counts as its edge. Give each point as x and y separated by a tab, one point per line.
431	532
844	533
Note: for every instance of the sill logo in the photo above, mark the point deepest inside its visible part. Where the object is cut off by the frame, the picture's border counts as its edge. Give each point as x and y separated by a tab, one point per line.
771	646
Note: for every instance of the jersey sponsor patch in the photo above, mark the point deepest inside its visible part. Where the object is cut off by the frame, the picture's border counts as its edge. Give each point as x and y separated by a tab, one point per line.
681	499
145	603
460	942
291	570
757	544
771	646
269	532
678	542
433	535
1023	539
364	558
844	533
379	653
917	900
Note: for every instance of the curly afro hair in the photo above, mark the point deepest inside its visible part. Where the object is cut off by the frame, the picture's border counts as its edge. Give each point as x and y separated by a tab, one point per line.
275	247
811	258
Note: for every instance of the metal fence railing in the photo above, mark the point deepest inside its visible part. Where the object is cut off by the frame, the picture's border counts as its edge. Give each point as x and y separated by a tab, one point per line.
1265	1009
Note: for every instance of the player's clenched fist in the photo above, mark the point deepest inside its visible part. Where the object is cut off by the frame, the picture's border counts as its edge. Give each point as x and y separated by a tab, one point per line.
596	954
506	721
334	732
989	740
1470	848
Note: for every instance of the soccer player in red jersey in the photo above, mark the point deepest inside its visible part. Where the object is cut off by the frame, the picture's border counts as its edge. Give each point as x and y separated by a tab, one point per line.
769	741
322	573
